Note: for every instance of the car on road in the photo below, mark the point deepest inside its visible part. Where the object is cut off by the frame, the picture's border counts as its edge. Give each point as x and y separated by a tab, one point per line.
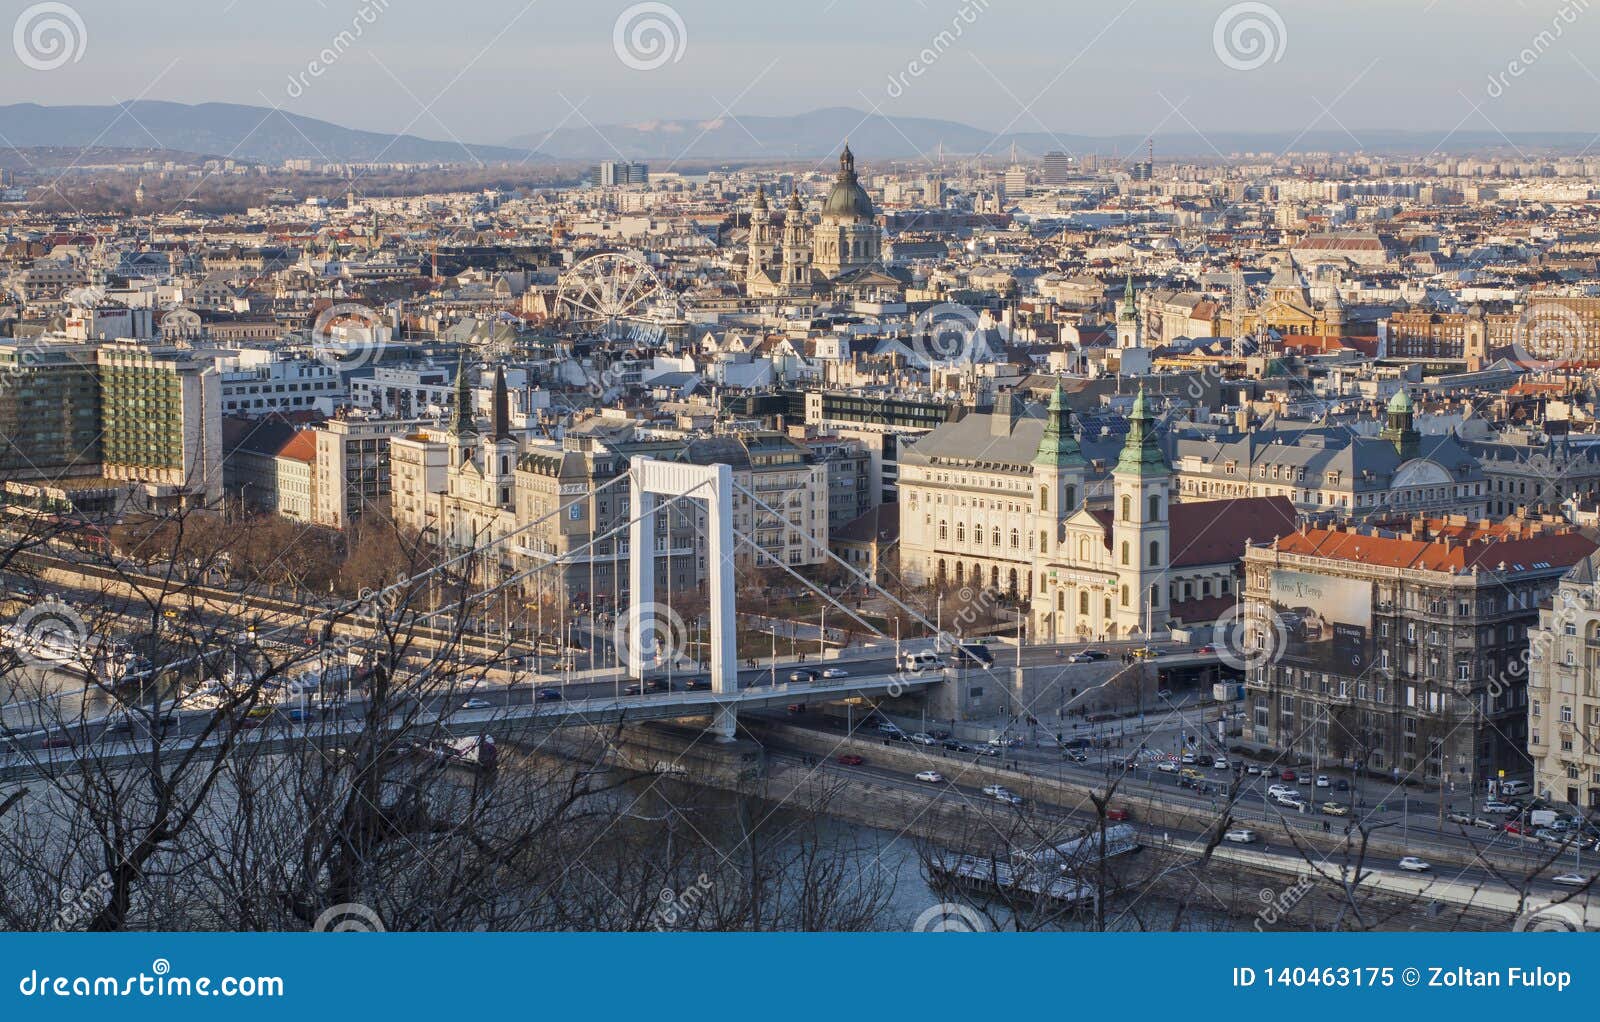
1280	789
658	685
1191	773
930	776
1004	741
697	685
1220	763
952	745
1554	837
1290	800
1207	648
797	707
1145	653
1088	656
633	690
1001	793
1240	836
1498	808
836	672
1323	781
923	738
850	759
1287	775
1188	757
1252	769
1570	879
1341	785
1335	809
57	742
887	727
1166	766
1412	864
476	704
548	695
1075	756
802	676
1117	814
1465	819
986	750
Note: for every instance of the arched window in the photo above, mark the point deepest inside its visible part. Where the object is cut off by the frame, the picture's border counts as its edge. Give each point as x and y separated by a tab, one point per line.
1127	507
1016	540
960	572
1044	498
944	529
1124	552
994	577
977	535
997	535
1083	551
942	576
1155	507
1061	600
1108	608
1083	603
961	532
1155	553
1012	578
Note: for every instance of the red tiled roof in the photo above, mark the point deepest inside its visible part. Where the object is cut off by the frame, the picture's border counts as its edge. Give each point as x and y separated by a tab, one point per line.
1488	549
301	447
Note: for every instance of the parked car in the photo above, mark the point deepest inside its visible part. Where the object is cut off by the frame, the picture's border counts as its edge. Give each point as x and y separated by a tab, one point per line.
954	746
1287	775
922	738
850	759
1240	836
1493	807
1335	809
1412	864
1323	781
930	777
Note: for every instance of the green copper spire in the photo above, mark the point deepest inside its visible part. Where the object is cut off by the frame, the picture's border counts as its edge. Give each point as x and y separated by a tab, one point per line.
1058	447
1141	455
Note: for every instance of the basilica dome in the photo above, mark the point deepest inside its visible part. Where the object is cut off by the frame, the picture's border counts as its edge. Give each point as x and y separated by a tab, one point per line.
848	200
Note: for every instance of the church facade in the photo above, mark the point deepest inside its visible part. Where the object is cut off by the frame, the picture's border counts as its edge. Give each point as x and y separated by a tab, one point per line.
1012	505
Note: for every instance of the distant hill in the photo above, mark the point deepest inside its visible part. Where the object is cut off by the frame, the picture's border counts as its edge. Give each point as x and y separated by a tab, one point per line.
261	134
817	135
225	130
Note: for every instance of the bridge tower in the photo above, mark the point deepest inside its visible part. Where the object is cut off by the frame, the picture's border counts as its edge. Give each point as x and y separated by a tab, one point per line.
649	481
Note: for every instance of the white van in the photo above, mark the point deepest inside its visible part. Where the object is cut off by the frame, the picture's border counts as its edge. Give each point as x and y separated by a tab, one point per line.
918	661
1514	788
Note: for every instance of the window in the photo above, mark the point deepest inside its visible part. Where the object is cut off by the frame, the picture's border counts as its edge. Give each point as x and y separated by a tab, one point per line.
1127	507
1044	498
1124	596
1083	603
1155	507
1155	553
1124	551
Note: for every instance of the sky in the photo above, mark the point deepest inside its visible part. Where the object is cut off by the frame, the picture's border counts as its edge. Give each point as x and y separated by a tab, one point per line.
487	70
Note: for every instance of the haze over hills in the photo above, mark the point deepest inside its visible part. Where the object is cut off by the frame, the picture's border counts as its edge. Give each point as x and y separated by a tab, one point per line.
226	130
257	133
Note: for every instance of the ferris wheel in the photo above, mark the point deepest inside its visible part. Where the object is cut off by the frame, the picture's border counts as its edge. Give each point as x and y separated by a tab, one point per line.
605	291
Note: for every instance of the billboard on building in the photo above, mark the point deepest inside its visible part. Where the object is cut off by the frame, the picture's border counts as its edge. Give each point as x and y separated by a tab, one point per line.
1322	623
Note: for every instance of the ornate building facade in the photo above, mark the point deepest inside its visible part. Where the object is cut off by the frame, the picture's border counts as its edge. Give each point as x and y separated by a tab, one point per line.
842	251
